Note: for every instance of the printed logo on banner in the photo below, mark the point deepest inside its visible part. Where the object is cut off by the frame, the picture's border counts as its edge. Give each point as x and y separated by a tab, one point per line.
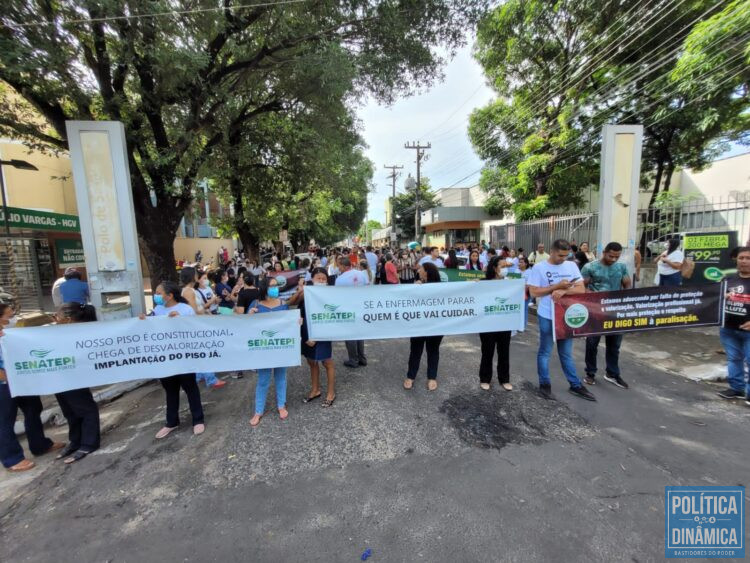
332	315
576	315
705	522
501	307
43	364
270	342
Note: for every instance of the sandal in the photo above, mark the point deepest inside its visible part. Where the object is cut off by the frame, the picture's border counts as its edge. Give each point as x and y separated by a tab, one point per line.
283	413
164	432
408	383
199	429
78	455
485	386
309	399
255	421
431	384
66	452
23	465
507	387
328	402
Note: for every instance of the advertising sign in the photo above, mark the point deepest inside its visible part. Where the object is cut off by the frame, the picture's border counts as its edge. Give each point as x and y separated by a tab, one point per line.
69	253
710	252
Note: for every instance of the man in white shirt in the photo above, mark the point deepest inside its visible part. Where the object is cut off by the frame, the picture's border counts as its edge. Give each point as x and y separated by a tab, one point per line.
539	255
433	257
352	278
372	259
548	282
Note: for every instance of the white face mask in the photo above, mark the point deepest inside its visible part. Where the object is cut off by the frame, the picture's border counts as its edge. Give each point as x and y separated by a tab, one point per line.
319	283
12	321
204	283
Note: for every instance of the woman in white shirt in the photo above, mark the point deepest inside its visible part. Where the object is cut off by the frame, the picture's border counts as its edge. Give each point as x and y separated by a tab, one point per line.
170	303
669	264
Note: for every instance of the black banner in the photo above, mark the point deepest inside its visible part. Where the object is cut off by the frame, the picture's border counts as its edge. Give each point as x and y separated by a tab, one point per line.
635	310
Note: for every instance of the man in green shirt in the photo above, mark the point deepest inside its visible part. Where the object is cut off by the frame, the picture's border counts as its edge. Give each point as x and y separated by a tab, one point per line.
606	274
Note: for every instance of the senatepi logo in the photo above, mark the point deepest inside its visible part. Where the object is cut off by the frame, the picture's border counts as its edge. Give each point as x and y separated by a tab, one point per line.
576	315
42	363
331	314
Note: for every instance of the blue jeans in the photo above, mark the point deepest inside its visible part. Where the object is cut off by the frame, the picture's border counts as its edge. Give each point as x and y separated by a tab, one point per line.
612	353
672	280
737	346
564	351
261	388
209	377
11	451
526	312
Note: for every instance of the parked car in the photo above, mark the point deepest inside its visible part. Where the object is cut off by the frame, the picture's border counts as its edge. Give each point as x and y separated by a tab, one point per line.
657	246
462	260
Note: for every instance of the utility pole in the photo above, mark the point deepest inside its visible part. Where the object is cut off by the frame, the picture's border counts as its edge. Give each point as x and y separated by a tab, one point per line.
393	176
420	155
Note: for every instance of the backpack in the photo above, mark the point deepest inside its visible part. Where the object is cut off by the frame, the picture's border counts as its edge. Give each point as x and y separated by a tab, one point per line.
687	269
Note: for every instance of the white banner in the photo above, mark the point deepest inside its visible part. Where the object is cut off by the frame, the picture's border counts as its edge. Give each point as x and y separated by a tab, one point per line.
395	311
49	359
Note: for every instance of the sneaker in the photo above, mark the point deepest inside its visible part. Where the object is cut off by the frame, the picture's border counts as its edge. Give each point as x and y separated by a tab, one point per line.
582	392
546	392
616	380
351	364
589	380
731	394
363	362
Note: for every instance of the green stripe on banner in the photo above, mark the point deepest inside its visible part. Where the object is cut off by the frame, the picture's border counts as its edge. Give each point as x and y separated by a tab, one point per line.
430	309
454	275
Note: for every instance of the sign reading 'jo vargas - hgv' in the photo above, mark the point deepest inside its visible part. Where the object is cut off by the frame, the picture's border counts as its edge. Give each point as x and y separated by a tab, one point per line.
396	311
99	353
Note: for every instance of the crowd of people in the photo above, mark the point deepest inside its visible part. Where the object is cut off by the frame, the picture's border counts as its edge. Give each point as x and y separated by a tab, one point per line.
243	286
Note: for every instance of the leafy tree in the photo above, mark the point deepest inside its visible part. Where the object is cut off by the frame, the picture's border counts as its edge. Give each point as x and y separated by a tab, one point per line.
404	206
167	78
365	229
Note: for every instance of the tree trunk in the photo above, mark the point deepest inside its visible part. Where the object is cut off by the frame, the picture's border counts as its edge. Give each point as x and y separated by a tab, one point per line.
650	218
156	239
248	238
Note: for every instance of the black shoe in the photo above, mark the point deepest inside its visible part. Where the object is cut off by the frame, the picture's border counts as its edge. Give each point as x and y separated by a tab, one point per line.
582	392
589	380
731	394
363	362
351	364
616	380
546	392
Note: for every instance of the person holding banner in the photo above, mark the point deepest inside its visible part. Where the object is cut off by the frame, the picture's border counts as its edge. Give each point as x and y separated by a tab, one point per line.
11	452
606	274
314	351
269	302
735	334
491	340
78	405
170	303
548	282
428	273
349	277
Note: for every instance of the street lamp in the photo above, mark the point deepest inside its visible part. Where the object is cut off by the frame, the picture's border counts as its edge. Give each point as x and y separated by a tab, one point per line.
20	165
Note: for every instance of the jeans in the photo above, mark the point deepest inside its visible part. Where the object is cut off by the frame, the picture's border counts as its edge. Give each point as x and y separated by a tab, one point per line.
672	280
432	345
172	386
261	388
80	410
356	351
490	341
612	344
526	303
210	378
564	351
11	451
737	345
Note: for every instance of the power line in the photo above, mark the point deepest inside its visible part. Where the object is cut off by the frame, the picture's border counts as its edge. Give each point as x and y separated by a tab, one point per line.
153	14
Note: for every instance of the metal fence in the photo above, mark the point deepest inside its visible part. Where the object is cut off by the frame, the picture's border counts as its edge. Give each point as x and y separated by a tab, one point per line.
654	225
19	273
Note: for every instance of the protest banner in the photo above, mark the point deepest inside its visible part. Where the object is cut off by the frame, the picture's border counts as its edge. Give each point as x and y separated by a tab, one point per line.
396	311
49	359
635	310
454	275
710	252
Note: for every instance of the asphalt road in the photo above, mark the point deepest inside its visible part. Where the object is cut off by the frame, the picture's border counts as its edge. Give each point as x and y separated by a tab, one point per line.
458	474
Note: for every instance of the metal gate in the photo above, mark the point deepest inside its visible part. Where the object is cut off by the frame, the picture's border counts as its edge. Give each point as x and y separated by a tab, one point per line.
19	273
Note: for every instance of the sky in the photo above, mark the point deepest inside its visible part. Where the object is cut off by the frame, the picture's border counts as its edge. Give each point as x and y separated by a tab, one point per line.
438	115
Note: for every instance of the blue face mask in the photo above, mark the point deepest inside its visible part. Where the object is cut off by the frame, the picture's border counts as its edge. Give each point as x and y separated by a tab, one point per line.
273	292
158	299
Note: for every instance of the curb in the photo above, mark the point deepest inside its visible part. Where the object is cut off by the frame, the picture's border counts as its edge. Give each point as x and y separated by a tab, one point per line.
111	393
